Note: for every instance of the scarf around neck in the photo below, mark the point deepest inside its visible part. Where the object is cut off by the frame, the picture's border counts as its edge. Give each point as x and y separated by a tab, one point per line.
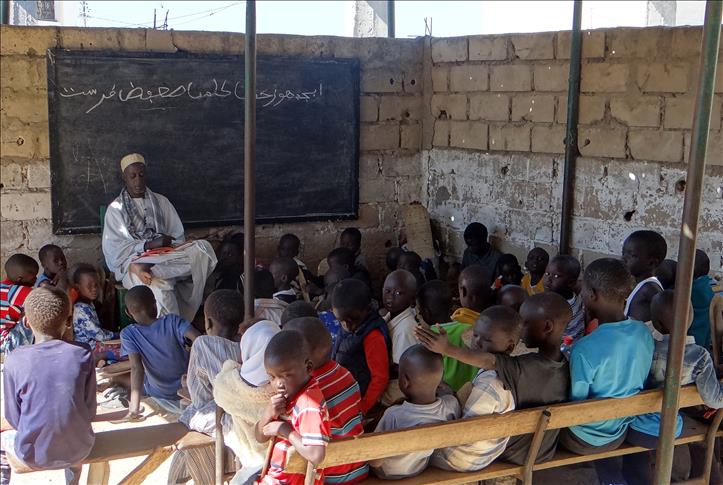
140	227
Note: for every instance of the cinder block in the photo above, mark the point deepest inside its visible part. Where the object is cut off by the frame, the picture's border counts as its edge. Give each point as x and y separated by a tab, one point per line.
11	176
379	136
510	138
201	42
592	109
411	136
686	42
593	44
369	108
160	41
440	78
23	74
451	49
26	206
511	78
368	216
381	81
638	43
548	139
24	106
449	106
22	140
487	48
468	134
636	110
400	108
663	78
604	78
551	77
679	113
12	237
469	78
719	78
377	189
132	40
538	108
534	46
39	175
27	41
85	38
413	81
662	146
489	106
602	142
440	138
714	153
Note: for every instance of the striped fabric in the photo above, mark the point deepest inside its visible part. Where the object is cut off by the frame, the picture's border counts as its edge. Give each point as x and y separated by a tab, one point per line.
308	416
342	396
12	298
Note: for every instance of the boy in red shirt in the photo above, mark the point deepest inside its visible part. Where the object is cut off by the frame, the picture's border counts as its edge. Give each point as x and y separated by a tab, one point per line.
340	391
364	347
21	271
297	414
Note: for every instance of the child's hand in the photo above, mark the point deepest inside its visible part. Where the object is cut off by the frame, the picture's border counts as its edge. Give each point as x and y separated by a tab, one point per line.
437	343
278	404
282	429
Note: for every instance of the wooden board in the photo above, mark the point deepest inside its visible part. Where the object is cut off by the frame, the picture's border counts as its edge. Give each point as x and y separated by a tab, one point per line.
184	113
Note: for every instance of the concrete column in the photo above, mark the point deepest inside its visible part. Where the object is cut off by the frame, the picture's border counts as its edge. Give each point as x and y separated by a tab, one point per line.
661	13
369	18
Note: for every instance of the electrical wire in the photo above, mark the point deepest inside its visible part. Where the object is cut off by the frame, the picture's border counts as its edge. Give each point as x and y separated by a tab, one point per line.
203	14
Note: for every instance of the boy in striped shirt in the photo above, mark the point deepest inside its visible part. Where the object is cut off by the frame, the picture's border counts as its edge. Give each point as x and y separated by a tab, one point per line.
341	393
296	415
22	272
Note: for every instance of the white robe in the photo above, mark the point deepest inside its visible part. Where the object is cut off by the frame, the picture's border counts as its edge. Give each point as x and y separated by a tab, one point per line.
175	292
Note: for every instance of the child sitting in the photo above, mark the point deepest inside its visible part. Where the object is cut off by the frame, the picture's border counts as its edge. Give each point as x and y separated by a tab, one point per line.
55	267
296	414
697	367
344	258
243	391
228	271
298	309
478	250
289	246
665	272
534	379
223	313
49	392
613	361
86	324
156	349
331	279
392	258
420	373
701	296
351	239
434	303
536	263
364	347
412	262
21	271
266	306
561	277
284	271
497	330
643	251
512	296
341	393
398	294
474	295
508	271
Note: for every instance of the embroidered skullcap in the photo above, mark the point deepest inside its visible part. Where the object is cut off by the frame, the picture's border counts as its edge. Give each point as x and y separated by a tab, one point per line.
130	159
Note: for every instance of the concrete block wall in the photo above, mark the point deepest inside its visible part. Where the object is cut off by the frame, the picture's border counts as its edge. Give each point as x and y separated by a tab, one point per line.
391	107
498	110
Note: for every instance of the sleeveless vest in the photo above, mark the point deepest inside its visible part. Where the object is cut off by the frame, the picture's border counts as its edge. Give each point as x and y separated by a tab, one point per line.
350	353
631	297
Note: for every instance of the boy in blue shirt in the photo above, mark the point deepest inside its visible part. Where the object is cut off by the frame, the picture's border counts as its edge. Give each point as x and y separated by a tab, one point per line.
613	361
701	296
156	349
697	367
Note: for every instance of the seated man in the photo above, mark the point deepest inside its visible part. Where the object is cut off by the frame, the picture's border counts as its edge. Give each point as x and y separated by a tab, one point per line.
139	220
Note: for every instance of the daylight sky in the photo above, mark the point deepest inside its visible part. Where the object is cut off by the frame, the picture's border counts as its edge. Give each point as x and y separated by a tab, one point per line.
449	18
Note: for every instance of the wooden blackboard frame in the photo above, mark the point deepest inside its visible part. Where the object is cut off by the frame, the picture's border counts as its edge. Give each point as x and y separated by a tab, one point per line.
54	139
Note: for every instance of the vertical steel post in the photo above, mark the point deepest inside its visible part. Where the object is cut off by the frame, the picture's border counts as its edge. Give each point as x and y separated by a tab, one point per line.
571	148
4	11
391	27
250	157
688	233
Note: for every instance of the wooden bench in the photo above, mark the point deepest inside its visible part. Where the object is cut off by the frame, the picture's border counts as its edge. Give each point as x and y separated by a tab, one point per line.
381	445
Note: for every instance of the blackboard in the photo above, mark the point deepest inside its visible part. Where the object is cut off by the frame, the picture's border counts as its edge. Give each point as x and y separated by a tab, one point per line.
184	113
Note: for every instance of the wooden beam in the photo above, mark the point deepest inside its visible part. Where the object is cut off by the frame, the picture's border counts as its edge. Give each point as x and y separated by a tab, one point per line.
99	473
150	464
130	442
464	431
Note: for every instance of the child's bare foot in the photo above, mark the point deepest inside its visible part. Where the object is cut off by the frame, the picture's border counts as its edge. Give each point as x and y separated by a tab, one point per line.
143	271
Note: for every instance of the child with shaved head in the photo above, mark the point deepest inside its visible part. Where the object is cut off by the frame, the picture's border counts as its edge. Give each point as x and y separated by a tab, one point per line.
643	251
398	296
420	373
284	271
434	302
561	277
21	271
512	296
49	391
297	414
340	391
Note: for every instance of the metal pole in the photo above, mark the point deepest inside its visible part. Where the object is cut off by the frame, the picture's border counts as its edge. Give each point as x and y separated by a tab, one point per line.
573	108
390	19
4	12
250	157
688	233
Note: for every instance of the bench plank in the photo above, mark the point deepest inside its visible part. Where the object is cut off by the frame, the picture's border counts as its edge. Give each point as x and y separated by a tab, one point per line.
130	442
463	431
138	475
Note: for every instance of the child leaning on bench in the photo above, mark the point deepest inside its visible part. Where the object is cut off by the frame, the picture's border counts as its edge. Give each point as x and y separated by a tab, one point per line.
534	379
420	373
49	392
